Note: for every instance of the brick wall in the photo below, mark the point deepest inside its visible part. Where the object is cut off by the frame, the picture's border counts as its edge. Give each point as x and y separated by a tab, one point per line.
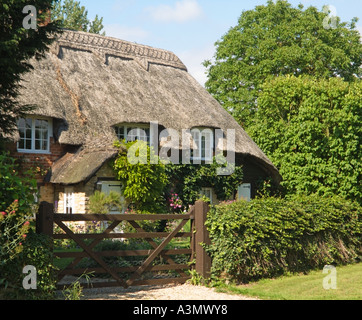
42	162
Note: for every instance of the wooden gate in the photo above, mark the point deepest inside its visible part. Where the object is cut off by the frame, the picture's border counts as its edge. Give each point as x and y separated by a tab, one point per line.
158	241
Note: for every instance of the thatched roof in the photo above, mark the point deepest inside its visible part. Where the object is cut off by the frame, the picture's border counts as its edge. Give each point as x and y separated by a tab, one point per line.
93	83
74	168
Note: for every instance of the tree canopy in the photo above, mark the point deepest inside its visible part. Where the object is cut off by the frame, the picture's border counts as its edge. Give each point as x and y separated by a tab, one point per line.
311	130
75	17
277	39
17	45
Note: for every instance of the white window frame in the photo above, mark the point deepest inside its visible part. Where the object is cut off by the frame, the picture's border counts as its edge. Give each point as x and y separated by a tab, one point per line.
205	191
122	132
203	153
69	200
33	135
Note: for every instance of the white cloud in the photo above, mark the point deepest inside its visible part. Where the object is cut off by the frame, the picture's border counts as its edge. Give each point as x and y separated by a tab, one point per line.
182	11
134	34
193	60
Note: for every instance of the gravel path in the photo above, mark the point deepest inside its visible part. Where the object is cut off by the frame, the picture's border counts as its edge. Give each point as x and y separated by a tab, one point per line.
166	292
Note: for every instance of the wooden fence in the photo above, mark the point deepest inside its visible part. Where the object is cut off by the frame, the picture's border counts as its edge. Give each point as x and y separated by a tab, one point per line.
87	242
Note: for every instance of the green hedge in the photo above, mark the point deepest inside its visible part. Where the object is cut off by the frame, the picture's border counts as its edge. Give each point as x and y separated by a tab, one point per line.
272	236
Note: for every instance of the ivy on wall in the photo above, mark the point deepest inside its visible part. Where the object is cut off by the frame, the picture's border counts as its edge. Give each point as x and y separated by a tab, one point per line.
148	184
188	179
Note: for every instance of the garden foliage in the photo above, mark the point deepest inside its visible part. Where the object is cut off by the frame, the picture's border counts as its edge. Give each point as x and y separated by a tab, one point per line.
143	180
188	179
19	245
15	187
271	236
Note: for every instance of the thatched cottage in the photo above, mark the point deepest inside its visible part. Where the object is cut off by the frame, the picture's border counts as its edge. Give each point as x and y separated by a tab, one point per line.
90	90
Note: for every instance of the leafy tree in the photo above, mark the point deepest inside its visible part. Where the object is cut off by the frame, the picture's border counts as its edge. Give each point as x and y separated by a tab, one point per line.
17	46
311	130
75	17
276	39
144	180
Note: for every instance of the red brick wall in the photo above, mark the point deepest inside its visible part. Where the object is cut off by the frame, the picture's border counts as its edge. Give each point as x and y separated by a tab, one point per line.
41	162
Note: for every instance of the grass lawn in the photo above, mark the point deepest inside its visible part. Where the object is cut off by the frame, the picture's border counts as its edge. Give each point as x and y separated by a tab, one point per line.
305	287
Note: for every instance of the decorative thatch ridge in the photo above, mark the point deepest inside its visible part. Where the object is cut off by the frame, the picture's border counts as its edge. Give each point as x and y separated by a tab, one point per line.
103	46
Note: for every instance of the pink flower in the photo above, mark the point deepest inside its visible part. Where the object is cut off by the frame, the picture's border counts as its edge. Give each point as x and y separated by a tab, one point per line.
24	236
3	213
16	201
26	223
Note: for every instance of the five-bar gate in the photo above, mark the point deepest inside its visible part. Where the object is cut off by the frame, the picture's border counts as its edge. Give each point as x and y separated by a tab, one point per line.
159	259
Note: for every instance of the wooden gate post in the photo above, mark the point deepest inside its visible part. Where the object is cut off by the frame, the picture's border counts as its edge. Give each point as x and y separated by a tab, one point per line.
203	261
45	219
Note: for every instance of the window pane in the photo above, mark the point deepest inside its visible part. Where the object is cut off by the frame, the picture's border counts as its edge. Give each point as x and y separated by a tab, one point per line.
28	133
195	153
28	144
45	145
142	135
196	135
21	123
120	132
34	134
134	133
28	123
208	145
21	144
41	124
22	133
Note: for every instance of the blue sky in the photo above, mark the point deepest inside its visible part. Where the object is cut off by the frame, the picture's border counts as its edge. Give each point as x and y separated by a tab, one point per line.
189	28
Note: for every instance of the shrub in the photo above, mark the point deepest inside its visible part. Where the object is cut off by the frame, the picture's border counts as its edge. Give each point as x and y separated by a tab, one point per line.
100	203
38	252
13	229
272	236
15	187
19	246
35	250
142	174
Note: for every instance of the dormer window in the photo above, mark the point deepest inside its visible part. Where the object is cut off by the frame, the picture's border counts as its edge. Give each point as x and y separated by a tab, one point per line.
34	135
134	132
203	144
